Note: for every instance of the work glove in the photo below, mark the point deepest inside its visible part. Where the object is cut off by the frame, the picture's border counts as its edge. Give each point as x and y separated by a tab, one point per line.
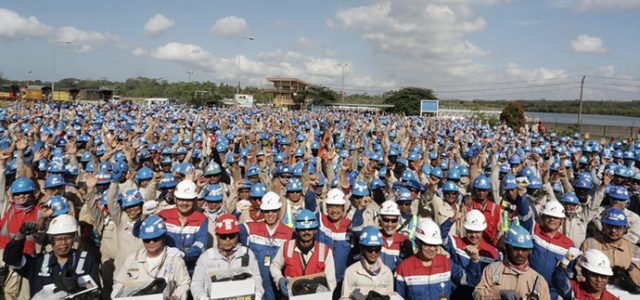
509	295
571	254
26	229
283	284
149	207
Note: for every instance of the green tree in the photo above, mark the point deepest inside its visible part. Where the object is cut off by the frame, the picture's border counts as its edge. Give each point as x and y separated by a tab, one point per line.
513	115
407	100
316	95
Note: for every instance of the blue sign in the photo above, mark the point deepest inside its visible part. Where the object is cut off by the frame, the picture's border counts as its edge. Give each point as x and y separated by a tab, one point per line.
429	106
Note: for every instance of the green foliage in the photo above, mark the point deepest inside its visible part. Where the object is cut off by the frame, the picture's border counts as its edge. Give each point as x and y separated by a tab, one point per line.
621	108
513	115
407	100
316	95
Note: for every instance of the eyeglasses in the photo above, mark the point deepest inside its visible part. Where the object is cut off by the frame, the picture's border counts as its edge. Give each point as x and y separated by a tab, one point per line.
372	248
385	220
155	240
255	199
230	236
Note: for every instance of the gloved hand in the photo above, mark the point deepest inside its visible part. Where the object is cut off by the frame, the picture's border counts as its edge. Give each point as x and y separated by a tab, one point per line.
27	228
571	254
149	207
243	205
283	284
509	295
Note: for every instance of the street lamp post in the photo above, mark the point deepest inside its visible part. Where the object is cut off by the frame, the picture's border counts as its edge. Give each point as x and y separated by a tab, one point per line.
189	73
250	38
343	66
53	73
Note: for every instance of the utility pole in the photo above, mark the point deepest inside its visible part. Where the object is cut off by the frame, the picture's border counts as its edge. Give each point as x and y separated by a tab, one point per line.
343	66
580	109
189	73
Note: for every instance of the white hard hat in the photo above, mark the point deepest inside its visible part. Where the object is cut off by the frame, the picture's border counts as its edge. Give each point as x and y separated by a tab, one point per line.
554	209
475	220
186	189
270	201
596	262
63	224
335	197
429	232
389	208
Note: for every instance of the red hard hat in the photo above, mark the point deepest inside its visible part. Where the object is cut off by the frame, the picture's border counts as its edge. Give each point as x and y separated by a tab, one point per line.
227	224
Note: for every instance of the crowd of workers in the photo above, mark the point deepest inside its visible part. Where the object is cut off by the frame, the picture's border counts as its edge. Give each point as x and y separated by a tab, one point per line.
126	198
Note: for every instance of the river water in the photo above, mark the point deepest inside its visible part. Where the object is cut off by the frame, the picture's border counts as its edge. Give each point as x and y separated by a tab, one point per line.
562	118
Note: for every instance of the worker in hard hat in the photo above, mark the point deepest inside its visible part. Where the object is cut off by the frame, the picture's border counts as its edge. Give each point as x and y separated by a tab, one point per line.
293	202
264	238
370	275
396	246
58	269
480	200
469	248
155	261
512	278
303	255
621	253
595	273
430	274
228	257
550	246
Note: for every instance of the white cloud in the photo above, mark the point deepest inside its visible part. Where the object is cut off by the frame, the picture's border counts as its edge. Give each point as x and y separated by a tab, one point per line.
230	27
138	51
607	70
82	41
157	25
15	27
588	44
607	4
514	71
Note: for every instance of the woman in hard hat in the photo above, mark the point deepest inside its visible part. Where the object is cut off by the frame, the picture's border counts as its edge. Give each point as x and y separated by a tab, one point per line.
155	261
369	275
595	274
228	256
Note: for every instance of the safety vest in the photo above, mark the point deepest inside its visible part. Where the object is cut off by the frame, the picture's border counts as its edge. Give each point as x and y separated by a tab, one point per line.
408	229
14	219
289	217
294	265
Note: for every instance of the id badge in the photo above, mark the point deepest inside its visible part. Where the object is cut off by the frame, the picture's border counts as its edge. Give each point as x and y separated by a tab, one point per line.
267	260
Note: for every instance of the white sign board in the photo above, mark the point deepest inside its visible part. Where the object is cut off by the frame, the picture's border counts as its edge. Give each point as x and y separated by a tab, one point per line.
243	100
235	289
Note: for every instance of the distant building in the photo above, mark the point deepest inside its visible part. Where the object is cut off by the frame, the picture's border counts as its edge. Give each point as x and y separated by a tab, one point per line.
284	90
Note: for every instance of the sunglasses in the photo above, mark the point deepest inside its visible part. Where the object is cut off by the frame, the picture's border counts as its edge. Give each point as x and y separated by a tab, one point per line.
404	203
227	236
451	193
273	211
20	194
156	239
372	249
285	176
295	192
385	220
255	199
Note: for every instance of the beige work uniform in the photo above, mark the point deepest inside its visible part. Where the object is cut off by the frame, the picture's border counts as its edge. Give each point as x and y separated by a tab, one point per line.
358	280
497	277
127	243
621	253
136	272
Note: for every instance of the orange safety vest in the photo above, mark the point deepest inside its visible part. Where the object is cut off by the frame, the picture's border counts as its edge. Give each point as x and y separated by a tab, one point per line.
295	267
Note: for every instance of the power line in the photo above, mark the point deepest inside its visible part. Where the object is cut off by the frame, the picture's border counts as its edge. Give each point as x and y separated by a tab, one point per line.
507	88
611	77
529	91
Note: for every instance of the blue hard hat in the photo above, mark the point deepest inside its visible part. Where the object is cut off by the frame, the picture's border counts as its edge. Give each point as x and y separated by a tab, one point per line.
212	168
371	237
213	193
519	237
509	182
315	146
152	227
376	183
285	169
505	168
184	168
258	190
535	183
253	170
450	186
402	162
622	171
168	181
22	185
53	181
144	173
404	194
56	166
85	157
413	156
515	159
306	219
482	183
414	183
614	217
464	171
103	177
583	183
618	193
294	186
59	205
131	198
360	189
453	174
299	152
570	198
437	172
426	169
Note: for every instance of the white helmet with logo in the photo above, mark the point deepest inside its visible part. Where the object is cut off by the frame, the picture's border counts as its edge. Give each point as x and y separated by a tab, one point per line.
335	197
429	232
186	189
63	224
596	262
389	208
554	209
270	201
475	220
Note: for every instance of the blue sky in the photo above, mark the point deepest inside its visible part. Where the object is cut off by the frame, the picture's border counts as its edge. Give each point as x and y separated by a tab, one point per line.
463	49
